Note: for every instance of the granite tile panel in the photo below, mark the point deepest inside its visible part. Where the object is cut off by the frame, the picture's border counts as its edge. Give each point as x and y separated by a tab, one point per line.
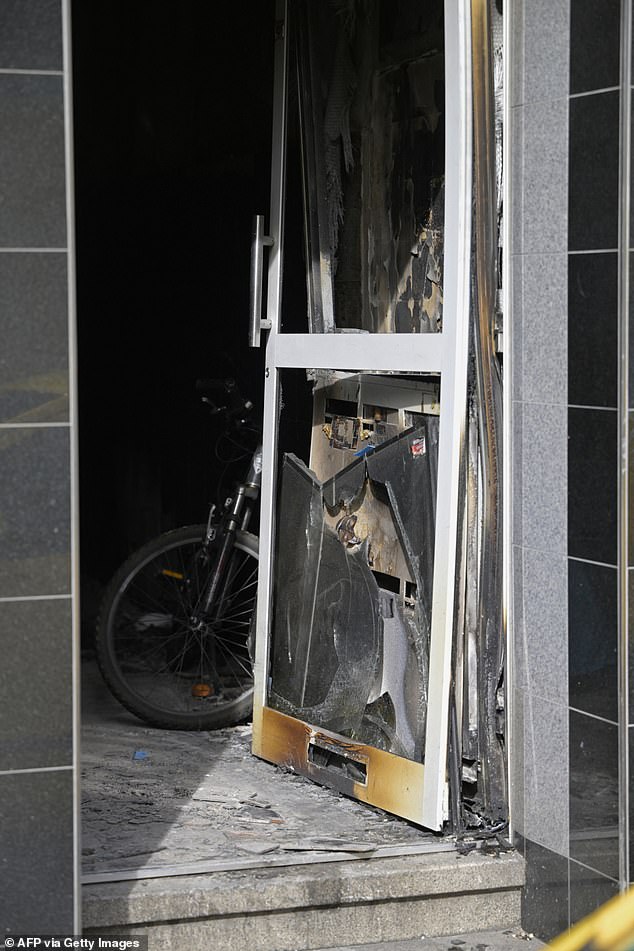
592	329
540	623
35	684
594	44
34	353
592	639
545	768
630	650
594	793
542	177
593	172
32	163
592	484
34	511
540	491
545	899
31	34
518	158
630	796
588	891
516	53
631	336
36	861
516	754
630	481
539	327
540	51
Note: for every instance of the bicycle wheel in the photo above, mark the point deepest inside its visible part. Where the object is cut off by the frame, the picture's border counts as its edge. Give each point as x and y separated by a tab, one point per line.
163	663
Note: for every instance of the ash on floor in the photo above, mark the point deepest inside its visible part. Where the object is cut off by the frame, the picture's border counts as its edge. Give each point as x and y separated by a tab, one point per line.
155	798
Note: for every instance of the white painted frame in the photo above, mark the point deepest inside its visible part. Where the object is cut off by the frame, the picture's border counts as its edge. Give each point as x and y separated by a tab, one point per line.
445	353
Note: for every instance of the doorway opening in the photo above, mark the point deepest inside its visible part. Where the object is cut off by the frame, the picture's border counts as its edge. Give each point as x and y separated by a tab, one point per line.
166	185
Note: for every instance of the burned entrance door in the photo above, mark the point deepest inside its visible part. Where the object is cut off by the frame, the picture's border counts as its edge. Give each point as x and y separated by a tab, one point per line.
358	537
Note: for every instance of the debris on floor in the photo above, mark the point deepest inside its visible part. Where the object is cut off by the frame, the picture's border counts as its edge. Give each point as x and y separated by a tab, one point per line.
154	798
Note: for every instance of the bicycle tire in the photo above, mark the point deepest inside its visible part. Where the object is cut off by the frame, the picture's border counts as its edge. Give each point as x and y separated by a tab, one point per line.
166	670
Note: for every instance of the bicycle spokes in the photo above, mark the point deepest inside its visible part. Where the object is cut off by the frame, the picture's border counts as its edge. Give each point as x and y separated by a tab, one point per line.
168	651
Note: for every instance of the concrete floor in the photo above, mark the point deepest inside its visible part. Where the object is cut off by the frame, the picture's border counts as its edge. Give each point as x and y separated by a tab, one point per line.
157	798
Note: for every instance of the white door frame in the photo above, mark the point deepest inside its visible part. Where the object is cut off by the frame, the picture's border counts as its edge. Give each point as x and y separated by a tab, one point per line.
445	353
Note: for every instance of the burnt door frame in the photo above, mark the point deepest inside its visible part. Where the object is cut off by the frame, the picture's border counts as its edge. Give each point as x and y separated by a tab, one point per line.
413	790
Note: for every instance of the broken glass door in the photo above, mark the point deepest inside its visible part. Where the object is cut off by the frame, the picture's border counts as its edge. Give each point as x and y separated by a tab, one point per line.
364	396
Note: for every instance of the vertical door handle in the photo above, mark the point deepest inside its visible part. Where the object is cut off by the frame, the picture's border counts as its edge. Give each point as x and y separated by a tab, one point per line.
258	241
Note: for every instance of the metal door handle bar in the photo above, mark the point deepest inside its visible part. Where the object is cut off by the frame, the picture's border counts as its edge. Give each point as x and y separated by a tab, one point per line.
258	241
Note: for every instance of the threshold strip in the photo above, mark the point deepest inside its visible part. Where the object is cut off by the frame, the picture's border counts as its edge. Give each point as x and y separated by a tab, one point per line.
262	861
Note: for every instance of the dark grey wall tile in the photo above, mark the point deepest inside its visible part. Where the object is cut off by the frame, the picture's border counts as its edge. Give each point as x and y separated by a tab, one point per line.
630	479
630	804
630	650
592	329
631	340
588	890
594	793
36	860
34	511
545	897
540	476
594	44
630	792
31	34
34	353
593	172
592	638
35	684
592	496
32	170
519	843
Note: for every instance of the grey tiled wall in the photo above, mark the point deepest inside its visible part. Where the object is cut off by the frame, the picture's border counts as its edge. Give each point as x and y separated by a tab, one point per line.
37	771
539	428
564	760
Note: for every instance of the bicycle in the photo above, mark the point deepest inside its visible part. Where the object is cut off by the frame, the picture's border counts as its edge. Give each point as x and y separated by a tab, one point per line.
174	632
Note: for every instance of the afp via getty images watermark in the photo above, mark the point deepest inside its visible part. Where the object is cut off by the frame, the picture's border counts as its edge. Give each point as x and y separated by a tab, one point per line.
109	942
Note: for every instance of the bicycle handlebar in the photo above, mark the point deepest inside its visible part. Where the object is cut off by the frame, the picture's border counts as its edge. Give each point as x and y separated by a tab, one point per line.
237	407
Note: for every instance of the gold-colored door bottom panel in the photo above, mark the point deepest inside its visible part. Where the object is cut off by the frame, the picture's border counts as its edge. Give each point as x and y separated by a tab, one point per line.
381	779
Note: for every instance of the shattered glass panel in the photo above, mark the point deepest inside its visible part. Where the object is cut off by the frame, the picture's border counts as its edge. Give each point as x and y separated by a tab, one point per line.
371	106
354	568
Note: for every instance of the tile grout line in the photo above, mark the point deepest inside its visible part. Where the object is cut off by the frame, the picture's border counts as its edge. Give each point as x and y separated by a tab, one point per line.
51	425
592	869
36	769
593	92
622	469
589	561
30	72
602	409
593	716
35	597
594	251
